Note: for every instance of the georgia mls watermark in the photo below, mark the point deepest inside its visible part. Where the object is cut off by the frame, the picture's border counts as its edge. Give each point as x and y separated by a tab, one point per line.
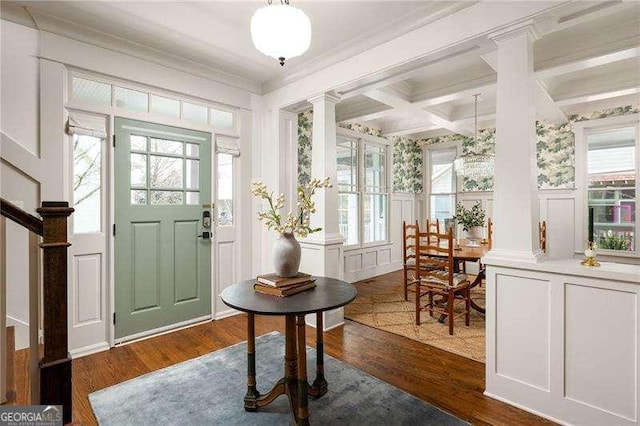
30	415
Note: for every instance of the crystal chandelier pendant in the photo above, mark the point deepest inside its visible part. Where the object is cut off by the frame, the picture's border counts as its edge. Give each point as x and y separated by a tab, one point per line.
475	166
281	31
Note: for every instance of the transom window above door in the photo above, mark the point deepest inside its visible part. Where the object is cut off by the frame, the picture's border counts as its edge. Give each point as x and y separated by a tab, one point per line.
164	171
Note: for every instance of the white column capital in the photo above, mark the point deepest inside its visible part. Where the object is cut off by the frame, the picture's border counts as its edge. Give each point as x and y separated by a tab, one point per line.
525	27
326	97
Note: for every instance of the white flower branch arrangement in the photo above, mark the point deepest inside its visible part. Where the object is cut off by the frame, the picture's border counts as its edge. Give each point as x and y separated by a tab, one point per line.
298	224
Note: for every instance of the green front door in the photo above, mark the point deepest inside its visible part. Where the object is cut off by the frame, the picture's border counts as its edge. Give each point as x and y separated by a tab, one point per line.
162	262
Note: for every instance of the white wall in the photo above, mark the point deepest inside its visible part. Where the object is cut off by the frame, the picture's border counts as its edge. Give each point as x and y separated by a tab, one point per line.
19	127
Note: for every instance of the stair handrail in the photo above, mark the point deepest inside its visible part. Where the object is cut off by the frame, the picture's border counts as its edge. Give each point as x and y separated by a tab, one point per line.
21	217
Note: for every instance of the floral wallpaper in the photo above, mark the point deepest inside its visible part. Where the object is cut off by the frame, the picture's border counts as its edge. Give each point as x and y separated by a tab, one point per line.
407	165
305	126
555	146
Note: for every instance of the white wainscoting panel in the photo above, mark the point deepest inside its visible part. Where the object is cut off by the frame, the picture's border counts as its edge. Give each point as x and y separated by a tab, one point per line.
384	256
562	340
87	277
352	262
369	259
601	357
522	332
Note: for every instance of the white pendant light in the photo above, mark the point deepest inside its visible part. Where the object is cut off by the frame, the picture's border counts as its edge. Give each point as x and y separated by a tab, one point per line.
281	31
474	166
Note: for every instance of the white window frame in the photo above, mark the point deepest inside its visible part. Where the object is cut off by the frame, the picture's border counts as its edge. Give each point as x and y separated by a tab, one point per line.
360	140
581	131
446	146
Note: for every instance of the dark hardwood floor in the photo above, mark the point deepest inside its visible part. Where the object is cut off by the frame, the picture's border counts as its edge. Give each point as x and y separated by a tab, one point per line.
451	382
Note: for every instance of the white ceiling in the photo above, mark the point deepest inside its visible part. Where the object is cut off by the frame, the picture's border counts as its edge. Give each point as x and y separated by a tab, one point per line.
216	34
588	56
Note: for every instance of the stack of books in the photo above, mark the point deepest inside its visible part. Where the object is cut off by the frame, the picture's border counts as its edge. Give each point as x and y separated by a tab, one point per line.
281	286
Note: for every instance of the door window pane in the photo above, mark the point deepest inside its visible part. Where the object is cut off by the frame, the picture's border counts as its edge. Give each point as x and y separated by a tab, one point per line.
132	100
193	150
193	198
195	113
165	172
139	196
348	217
193	174
163	146
138	143
375	221
91	91
222	119
87	168
166	197
611	170
138	170
225	190
166	107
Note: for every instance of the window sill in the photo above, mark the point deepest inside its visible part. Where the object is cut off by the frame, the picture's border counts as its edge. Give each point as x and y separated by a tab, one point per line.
367	246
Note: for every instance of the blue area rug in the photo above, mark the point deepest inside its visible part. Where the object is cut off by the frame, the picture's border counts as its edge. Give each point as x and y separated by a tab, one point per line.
210	390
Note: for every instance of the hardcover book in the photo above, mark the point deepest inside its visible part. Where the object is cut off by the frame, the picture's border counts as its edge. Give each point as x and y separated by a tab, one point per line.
284	291
277	281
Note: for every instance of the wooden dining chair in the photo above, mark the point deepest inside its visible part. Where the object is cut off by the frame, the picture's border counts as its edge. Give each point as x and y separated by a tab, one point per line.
431	281
542	232
433	226
409	237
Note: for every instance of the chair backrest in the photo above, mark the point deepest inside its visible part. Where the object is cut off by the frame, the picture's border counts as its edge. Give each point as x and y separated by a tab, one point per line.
409	238
433	227
542	230
434	254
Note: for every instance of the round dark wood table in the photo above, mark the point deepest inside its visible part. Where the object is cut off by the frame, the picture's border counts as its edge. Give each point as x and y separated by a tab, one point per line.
328	294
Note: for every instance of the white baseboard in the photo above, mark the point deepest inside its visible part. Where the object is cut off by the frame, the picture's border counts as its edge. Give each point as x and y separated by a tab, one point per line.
21	332
226	314
162	330
527	409
364	274
88	350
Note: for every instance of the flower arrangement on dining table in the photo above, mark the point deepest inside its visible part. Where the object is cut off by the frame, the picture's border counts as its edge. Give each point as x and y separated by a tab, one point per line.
298	223
469	218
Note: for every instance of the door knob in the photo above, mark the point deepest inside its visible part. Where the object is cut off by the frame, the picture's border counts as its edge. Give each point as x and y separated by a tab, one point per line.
205	235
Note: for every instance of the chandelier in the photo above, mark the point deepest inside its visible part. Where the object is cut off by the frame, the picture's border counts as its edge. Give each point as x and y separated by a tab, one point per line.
281	31
474	166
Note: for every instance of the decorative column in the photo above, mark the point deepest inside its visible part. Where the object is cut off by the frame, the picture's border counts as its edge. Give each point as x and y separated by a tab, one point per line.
515	205
322	251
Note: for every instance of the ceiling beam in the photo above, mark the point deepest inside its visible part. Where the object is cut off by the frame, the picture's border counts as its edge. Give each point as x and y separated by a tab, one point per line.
587	63
402	104
597	96
411	130
546	108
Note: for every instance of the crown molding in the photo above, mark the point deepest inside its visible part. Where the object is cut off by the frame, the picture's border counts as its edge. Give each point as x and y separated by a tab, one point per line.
53	24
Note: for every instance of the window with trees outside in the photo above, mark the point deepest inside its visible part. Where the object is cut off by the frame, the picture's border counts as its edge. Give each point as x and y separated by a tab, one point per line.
612	185
442	189
362	191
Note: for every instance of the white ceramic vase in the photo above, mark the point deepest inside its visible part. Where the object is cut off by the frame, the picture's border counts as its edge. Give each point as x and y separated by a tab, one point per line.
286	255
474	233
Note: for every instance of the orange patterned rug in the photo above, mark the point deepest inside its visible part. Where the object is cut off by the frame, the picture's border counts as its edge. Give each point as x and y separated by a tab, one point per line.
383	307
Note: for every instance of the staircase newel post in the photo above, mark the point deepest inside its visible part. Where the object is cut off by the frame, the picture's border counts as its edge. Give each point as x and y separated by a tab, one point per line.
55	366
